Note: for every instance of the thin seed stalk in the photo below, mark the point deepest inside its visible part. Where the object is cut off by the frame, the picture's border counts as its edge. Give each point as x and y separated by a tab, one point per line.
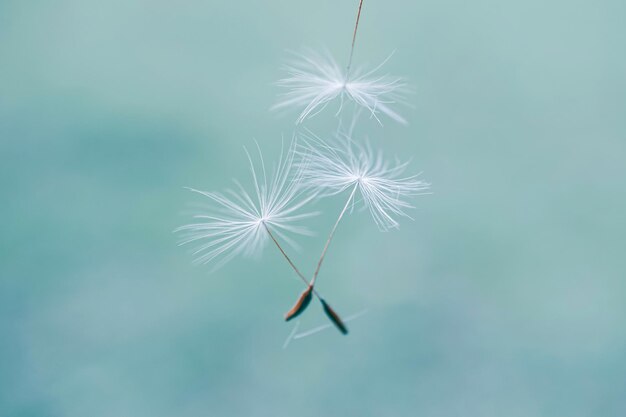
280	248
332	234
356	27
293	266
305	297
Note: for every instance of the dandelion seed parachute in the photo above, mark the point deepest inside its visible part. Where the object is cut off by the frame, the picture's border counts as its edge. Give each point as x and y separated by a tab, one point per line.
236	221
331	168
315	80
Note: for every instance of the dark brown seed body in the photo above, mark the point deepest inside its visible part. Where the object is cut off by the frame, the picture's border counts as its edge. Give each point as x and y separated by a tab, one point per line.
334	317
301	304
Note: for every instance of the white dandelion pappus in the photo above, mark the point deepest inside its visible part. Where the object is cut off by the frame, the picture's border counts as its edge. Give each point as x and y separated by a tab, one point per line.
383	187
240	222
314	80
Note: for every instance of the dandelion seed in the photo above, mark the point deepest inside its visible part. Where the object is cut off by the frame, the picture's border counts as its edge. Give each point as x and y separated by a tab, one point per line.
382	186
315	80
240	222
301	304
334	317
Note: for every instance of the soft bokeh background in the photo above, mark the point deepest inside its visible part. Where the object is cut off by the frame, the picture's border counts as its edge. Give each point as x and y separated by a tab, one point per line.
505	296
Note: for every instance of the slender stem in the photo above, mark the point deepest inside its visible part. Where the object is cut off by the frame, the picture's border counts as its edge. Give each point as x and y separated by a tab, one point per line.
356	27
332	233
293	266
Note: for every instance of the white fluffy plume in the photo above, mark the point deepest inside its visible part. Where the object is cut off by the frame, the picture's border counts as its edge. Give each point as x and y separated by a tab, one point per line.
314	80
331	168
236	221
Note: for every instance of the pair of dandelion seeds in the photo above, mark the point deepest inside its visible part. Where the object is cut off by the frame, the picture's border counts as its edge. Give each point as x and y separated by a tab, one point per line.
243	220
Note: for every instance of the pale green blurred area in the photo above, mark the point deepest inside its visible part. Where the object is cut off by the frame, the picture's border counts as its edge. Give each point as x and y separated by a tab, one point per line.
505	296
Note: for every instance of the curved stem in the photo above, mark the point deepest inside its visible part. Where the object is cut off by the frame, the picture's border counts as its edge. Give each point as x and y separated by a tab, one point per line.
332	233
356	27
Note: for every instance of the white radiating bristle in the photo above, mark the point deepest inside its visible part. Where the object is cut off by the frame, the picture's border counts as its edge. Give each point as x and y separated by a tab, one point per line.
315	80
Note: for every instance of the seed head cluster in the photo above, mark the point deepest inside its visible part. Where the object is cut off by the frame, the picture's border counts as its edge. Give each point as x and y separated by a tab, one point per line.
275	201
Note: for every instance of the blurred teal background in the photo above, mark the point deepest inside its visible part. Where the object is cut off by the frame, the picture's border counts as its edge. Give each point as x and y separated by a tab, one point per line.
505	296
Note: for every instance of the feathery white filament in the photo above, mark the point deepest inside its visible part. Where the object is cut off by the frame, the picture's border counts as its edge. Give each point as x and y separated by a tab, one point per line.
331	169
235	224
314	80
